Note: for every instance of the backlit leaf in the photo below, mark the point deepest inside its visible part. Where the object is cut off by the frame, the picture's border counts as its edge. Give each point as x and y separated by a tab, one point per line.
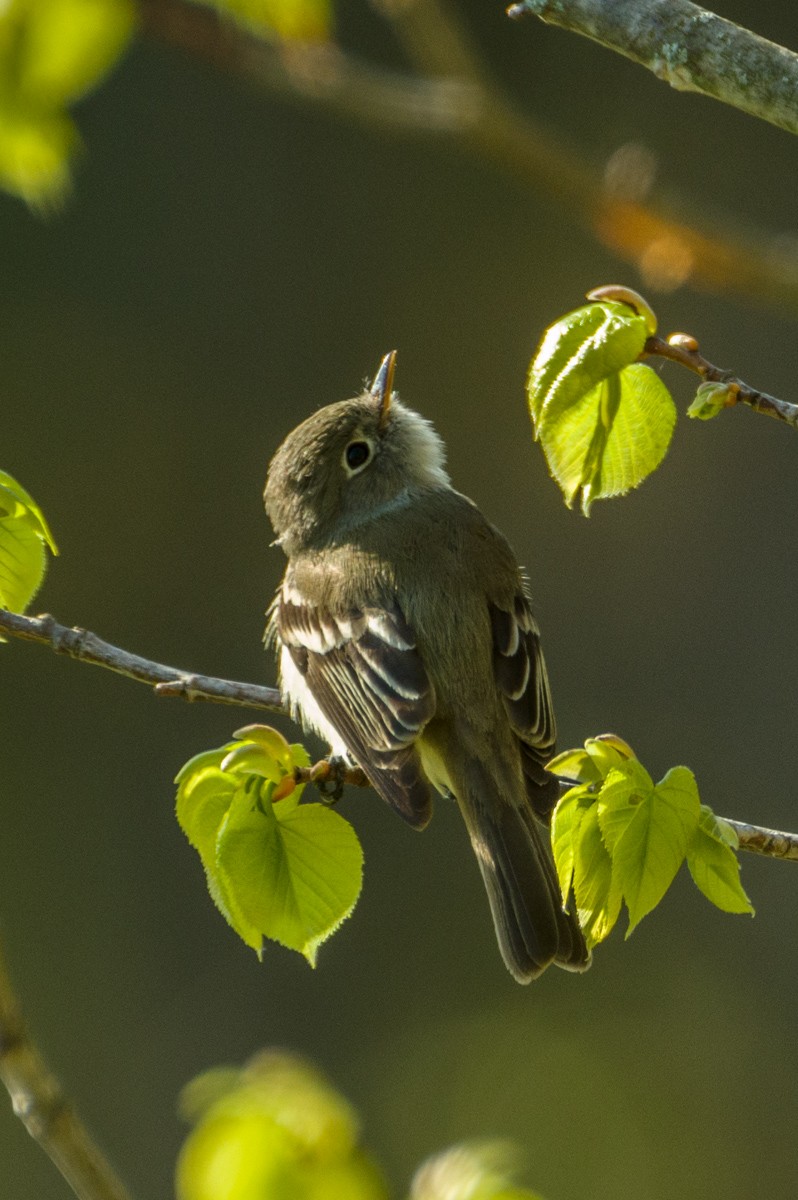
647	831
66	46
597	892
296	869
273	1131
714	866
24	534
603	419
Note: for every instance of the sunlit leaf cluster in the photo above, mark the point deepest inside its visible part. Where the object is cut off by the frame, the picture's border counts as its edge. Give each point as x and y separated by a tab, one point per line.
274	1129
51	53
275	868
24	536
277	1130
603	419
619	838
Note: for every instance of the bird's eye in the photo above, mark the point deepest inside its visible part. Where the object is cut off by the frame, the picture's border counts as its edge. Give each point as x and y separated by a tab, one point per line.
357	455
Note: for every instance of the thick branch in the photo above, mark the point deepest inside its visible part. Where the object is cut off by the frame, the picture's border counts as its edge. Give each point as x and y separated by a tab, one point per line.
690	48
455	98
167	681
42	1107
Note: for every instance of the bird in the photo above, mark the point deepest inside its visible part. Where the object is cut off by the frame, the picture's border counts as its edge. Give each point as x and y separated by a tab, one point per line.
406	639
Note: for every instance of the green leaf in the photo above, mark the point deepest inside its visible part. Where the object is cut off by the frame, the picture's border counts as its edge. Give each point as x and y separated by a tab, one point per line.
23	536
274	868
604	421
35	148
711	399
205	794
597	892
275	1129
64	47
295	871
714	865
574	764
287	20
647	831
577	352
565	826
610	439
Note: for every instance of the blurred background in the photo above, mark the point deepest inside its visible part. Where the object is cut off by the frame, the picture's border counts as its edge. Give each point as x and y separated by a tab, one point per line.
228	260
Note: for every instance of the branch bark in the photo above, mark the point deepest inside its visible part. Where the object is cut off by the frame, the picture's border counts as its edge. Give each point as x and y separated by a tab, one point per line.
771	842
690	48
683	349
453	96
41	1105
330	774
167	681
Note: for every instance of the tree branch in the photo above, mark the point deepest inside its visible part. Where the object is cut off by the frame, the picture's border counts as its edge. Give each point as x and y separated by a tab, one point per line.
317	73
40	1104
683	349
167	681
329	775
688	47
771	842
454	97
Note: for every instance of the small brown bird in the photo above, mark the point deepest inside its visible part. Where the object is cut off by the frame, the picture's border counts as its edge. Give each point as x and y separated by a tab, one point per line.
407	641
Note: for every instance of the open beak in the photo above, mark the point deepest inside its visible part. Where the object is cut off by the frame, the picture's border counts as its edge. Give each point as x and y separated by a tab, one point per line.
382	387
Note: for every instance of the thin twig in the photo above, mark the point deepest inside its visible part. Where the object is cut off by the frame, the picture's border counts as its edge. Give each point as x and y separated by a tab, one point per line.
688	47
167	681
771	842
682	349
453	96
40	1104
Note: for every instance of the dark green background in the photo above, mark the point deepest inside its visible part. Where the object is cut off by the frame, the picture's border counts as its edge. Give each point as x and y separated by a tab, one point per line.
228	263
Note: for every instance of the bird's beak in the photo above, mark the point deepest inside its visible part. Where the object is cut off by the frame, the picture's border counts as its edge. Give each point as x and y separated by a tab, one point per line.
382	387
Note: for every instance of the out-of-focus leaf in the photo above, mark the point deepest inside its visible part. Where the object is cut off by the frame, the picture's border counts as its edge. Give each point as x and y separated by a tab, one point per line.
288	20
714	866
66	46
274	1131
24	533
51	52
473	1171
35	148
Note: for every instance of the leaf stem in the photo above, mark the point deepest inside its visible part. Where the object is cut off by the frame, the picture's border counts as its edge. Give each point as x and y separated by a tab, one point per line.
41	1105
683	350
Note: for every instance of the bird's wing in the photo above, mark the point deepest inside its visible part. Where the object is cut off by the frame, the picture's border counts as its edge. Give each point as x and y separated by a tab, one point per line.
365	673
521	677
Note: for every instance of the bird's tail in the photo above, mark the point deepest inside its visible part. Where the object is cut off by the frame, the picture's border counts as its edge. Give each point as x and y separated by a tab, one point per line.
513	849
